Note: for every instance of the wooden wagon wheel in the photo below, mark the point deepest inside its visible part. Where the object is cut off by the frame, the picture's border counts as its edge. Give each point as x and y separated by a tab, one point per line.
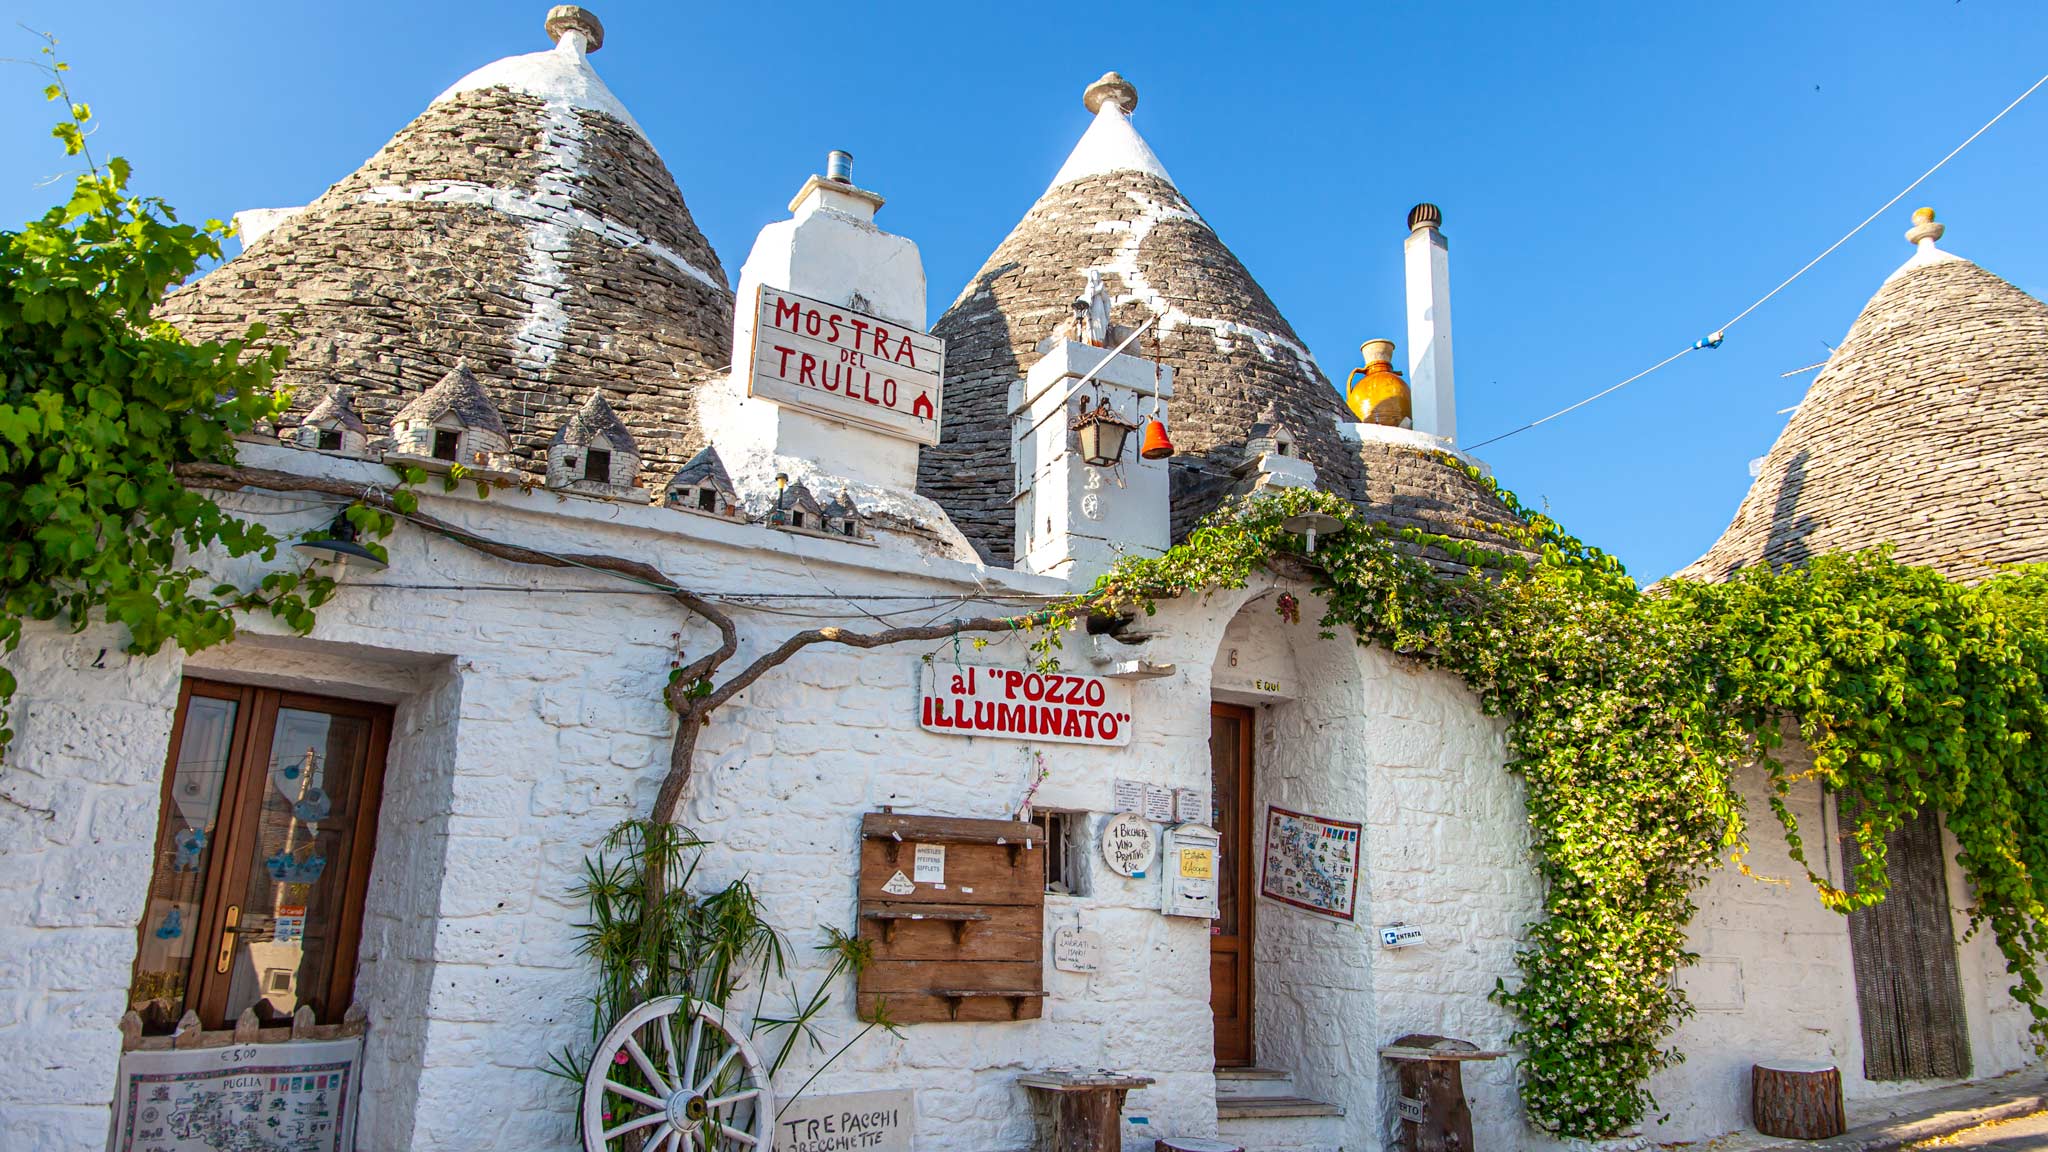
645	1093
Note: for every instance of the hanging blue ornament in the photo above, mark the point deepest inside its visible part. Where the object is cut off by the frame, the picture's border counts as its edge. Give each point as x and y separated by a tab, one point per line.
314	807
189	843
172	927
285	870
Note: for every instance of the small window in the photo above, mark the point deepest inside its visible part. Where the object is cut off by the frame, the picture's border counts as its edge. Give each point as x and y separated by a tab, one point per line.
853	527
330	439
597	466
1284	448
796	519
280	979
444	443
707	499
1066	871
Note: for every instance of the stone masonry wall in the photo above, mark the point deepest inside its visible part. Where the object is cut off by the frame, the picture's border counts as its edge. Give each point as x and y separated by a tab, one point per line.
1774	979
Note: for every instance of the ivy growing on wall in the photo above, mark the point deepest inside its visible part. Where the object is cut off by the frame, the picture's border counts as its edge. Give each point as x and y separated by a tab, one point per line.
1629	714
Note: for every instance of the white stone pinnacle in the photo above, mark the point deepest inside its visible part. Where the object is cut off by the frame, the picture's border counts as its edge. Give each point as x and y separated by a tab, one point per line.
1110	145
561	76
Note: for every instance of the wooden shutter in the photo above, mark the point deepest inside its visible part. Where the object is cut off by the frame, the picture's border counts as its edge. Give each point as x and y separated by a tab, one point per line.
1908	992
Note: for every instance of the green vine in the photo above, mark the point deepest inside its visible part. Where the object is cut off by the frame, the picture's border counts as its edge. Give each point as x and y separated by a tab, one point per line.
1628	717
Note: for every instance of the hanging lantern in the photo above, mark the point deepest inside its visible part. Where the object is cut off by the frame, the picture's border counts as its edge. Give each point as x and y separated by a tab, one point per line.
1155	445
1311	523
340	544
1102	433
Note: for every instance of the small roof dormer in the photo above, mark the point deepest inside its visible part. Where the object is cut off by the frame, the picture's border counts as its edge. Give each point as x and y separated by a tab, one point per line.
456	399
593	452
704	486
453	423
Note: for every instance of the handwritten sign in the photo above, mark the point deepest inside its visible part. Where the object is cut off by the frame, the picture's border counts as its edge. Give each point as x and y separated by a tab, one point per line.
851	1122
301	1093
1013	704
1187	807
1076	951
1158	804
1311	862
1129	795
1128	844
929	864
847	365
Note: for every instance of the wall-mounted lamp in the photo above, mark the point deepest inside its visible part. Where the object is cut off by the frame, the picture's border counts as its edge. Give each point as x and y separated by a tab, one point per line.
340	544
1102	433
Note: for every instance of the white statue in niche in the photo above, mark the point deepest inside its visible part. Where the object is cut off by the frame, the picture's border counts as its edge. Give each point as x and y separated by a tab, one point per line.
1095	320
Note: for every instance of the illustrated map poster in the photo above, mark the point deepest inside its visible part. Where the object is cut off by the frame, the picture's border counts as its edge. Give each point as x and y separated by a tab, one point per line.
1311	862
289	1097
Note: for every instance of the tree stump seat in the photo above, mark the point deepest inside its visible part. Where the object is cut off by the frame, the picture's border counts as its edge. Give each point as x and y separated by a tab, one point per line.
1800	1099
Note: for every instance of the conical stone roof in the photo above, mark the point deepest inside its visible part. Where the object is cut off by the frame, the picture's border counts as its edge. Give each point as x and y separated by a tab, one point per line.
522	223
1928	429
1113	208
596	423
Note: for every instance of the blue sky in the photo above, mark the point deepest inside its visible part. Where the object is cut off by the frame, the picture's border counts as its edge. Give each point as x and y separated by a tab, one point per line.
1617	179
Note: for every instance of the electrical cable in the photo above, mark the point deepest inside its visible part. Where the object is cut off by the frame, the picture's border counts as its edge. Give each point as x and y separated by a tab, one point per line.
1713	339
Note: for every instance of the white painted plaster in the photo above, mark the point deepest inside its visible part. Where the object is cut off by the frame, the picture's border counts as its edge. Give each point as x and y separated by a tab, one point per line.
1426	260
1125	263
1110	144
562	75
1924	253
1076	520
255	223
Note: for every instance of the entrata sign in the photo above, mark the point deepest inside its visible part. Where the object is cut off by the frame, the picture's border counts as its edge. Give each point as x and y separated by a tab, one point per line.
1018	705
847	365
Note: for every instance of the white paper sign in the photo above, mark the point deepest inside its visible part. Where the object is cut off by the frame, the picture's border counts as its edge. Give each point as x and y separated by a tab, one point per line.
202	1099
1412	1110
899	885
1013	704
1130	796
1187	807
1076	951
847	365
1128	844
930	865
882	1121
1158	804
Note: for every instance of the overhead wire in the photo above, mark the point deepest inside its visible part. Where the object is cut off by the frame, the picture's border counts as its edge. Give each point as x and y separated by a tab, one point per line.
1714	338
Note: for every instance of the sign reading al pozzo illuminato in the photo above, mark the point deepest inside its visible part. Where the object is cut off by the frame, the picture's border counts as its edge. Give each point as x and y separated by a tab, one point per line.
1013	704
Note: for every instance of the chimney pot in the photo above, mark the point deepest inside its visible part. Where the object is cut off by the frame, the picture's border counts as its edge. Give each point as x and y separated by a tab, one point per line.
839	166
1425	215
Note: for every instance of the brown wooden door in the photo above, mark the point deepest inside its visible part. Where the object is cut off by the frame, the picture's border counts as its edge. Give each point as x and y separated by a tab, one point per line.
1230	939
264	839
1908	991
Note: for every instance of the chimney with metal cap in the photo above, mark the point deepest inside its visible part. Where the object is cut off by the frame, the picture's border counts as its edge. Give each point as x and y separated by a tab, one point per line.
1427	256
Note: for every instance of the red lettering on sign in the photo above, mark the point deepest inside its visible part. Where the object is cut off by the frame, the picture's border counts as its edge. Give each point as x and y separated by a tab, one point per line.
881	340
1048	722
813	323
1034	687
888	392
834	322
905	354
922	406
1108	726
1096	694
860	328
786	354
787	313
805	368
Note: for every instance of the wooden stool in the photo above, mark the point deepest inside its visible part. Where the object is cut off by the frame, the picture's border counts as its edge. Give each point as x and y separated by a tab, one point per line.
1085	1108
1431	1103
1194	1144
1797	1098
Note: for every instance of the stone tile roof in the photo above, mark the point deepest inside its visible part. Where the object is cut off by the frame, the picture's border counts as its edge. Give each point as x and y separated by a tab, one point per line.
1239	368
338	408
1232	353
459	393
518	222
593	423
704	466
1928	429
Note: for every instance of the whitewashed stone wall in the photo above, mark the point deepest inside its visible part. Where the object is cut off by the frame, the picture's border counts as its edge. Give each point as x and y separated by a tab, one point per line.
1357	733
1775	978
78	797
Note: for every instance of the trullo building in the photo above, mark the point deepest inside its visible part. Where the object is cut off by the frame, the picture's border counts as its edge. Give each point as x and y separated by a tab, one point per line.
1214	867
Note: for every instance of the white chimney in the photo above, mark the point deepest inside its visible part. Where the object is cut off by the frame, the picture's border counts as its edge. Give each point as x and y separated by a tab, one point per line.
1428	260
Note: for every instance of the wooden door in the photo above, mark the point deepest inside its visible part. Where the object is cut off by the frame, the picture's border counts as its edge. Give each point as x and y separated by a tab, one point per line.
263	852
1909	994
1230	940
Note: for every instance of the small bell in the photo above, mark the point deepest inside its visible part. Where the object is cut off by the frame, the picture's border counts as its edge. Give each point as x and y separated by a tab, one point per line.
1155	445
